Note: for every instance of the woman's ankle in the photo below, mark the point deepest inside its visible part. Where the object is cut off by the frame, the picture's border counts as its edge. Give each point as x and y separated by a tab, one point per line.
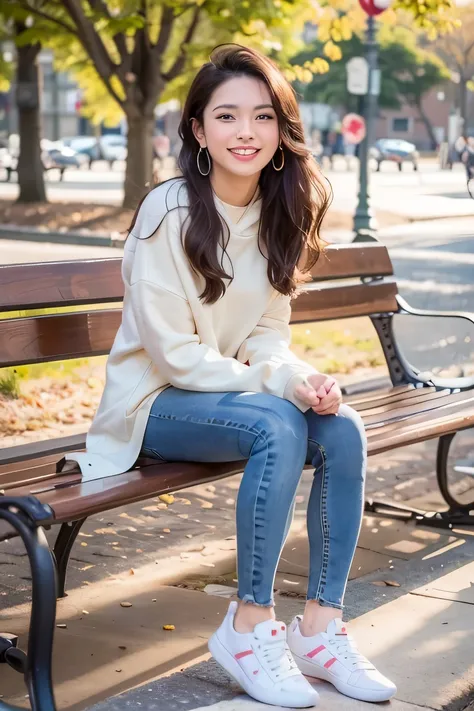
248	615
316	618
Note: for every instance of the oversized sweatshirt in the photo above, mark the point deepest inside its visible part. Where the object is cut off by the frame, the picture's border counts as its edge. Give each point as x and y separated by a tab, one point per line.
169	337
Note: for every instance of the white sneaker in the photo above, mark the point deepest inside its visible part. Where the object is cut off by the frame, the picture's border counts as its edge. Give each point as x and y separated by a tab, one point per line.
333	656
261	663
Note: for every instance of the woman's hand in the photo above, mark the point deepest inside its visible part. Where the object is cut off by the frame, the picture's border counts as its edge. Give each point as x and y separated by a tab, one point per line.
324	394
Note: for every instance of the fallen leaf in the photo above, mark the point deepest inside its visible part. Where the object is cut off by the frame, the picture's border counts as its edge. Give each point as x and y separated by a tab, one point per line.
169	628
207	505
379	583
122	646
62	626
84	544
126	604
189	535
154	599
118	670
166	530
132	572
392	583
84	612
167	498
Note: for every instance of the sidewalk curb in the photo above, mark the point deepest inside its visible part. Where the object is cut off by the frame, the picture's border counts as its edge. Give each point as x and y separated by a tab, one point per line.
31	234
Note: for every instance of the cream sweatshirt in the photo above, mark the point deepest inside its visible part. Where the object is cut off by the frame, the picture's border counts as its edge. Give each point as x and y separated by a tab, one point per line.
168	336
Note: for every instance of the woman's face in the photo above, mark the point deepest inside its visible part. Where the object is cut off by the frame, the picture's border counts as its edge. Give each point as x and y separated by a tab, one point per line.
240	127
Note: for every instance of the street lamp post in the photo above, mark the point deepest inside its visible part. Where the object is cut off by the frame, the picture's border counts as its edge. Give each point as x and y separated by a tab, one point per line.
364	219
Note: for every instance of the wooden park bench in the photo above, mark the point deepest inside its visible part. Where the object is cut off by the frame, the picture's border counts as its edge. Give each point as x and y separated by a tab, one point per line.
352	280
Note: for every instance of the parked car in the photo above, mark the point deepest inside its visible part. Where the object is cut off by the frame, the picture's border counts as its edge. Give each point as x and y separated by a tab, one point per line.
55	155
111	147
86	146
396	151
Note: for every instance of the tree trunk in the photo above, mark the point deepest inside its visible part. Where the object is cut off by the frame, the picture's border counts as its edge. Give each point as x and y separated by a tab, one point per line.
30	167
428	125
139	169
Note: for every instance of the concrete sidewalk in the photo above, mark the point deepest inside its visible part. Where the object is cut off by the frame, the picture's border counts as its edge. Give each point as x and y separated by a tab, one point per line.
422	640
418	629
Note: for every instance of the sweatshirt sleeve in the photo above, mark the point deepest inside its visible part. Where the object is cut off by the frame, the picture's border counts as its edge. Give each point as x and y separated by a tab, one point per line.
166	328
270	341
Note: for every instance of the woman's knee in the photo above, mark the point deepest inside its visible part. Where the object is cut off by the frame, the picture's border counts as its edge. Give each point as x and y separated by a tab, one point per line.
281	423
341	435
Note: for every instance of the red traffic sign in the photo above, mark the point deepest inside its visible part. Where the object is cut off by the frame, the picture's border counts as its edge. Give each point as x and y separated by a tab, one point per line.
353	128
374	7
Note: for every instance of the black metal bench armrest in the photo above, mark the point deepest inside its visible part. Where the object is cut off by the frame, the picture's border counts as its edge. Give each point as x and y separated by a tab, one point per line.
36	512
462	383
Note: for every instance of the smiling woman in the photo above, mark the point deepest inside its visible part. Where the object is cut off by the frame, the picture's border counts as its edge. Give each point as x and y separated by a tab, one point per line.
202	371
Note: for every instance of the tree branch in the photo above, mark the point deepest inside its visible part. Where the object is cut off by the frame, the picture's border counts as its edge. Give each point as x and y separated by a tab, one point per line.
119	39
178	65
94	46
167	21
50	18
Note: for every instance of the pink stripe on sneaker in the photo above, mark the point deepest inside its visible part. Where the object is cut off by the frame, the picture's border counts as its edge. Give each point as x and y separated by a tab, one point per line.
316	651
329	663
240	655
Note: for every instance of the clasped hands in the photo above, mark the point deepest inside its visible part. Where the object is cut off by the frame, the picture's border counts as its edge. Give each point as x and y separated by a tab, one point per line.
324	394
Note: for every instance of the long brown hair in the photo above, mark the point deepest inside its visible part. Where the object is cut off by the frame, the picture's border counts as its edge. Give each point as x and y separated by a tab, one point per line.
294	200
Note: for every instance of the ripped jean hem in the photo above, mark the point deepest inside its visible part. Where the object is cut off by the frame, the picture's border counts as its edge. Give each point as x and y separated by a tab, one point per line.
251	600
325	603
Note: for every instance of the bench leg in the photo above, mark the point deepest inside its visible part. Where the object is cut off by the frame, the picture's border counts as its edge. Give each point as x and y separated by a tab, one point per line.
62	550
458	514
23	514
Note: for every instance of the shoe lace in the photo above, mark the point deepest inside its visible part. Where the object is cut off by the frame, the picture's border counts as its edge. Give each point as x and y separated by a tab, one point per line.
278	658
346	647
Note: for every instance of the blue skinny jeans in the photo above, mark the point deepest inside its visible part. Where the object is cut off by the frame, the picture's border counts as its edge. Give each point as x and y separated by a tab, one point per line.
277	439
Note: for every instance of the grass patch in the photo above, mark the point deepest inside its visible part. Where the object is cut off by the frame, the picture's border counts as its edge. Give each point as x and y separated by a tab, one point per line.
10	384
338	347
11	378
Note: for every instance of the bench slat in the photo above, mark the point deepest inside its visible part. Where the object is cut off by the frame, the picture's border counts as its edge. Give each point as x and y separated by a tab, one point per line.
59	337
380	400
44	448
68	502
414	413
74	335
344	301
429	425
37	286
343	261
424	401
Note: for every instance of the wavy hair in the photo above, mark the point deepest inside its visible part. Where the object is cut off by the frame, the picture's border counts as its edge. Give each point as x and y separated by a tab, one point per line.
294	200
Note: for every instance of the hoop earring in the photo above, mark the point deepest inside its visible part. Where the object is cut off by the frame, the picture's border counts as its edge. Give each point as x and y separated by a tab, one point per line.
208	161
282	159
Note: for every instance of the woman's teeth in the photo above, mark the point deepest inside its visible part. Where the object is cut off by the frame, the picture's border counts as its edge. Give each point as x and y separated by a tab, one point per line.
243	151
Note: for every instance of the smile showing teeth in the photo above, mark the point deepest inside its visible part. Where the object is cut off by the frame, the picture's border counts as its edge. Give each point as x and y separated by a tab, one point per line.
243	151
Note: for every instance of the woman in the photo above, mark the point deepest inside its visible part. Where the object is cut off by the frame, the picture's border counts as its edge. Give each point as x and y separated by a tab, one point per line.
201	370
